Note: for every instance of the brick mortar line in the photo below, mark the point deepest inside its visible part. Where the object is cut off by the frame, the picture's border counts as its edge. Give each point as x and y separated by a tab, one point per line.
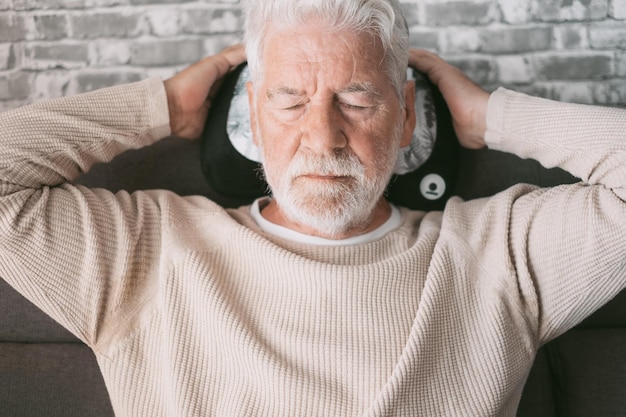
101	9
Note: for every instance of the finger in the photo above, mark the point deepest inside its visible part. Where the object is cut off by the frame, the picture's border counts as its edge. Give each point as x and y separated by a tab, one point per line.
422	60
229	59
235	54
430	64
226	61
204	73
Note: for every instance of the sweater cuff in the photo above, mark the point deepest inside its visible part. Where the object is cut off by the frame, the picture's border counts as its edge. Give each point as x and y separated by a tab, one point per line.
495	117
157	100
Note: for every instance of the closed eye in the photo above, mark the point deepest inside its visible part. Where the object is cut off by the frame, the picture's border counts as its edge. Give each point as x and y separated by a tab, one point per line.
297	106
354	107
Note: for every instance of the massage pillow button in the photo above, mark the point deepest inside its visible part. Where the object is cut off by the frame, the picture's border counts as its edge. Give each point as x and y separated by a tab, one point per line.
433	187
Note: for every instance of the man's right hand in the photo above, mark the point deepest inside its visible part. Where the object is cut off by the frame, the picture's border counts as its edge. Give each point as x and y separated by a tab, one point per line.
189	93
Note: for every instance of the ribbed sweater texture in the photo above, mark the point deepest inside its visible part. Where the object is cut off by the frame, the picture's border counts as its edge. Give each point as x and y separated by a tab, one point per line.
192	310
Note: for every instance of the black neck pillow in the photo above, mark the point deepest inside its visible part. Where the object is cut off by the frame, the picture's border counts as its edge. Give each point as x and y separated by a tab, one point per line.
424	187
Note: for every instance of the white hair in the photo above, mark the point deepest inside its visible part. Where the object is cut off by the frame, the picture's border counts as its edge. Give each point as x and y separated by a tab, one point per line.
381	18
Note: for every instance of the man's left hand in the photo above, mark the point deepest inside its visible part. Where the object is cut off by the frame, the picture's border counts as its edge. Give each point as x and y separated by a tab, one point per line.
466	100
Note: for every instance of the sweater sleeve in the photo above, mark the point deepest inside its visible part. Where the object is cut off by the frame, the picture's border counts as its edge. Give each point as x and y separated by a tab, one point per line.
83	256
568	241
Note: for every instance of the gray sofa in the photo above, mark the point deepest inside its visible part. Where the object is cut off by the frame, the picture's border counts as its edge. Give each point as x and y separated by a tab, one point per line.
45	371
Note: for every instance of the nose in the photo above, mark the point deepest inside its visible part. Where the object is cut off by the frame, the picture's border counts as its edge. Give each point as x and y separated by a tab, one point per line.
322	130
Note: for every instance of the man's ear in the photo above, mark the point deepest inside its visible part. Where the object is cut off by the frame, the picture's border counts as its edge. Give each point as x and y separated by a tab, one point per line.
409	114
253	119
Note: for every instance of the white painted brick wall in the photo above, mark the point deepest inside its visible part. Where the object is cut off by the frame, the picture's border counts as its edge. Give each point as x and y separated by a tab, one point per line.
618	9
571	50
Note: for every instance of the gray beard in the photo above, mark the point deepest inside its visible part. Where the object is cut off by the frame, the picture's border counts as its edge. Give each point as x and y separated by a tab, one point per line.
332	208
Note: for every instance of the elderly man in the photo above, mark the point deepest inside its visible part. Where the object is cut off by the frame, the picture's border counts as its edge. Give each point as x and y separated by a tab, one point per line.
324	299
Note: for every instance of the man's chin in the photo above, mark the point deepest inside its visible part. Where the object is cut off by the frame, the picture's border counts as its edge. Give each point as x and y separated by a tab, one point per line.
331	208
331	218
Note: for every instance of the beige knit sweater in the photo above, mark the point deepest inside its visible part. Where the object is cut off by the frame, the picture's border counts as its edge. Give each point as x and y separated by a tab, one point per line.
193	311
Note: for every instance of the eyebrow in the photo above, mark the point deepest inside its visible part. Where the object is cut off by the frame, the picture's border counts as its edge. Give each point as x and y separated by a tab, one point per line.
282	91
366	88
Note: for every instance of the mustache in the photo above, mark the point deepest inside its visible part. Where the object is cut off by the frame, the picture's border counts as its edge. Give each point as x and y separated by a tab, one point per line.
342	164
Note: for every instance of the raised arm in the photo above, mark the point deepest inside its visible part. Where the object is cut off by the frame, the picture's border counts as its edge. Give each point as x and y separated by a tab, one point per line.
565	245
86	257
